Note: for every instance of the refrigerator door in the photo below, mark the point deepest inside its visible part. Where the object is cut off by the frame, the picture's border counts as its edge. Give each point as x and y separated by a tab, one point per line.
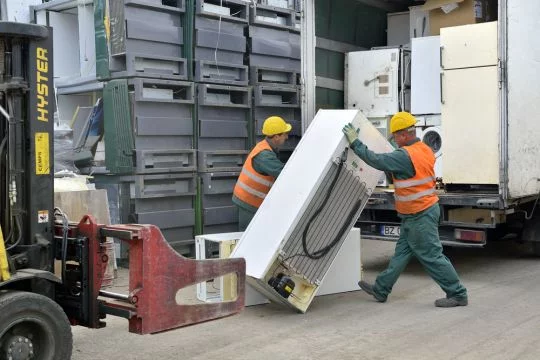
470	126
372	82
426	76
469	46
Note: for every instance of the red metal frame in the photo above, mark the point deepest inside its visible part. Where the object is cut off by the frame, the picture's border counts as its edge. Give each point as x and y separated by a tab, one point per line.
156	273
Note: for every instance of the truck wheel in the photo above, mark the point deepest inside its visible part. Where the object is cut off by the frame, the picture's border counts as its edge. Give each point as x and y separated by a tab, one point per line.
531	232
536	248
33	326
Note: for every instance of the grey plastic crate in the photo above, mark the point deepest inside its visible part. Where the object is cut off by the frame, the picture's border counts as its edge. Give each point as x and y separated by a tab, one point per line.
223	96
219	133
219	211
175	225
185	248
166	91
220	215
142	29
274	62
230	10
162	114
274	42
167	192
166	185
167	5
165	161
164	203
285	4
222	56
219	41
277	96
217	187
223	117
221	228
153	66
221	160
273	77
272	16
221	73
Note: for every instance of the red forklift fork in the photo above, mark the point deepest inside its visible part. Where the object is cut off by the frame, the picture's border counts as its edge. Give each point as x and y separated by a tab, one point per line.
156	274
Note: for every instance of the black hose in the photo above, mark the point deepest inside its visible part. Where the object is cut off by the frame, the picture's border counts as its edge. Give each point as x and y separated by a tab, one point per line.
19	232
317	254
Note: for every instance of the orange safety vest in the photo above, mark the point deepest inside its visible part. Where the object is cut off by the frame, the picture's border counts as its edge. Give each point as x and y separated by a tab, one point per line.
417	193
251	186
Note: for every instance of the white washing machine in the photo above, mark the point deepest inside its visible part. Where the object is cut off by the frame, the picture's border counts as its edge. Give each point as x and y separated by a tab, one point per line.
432	136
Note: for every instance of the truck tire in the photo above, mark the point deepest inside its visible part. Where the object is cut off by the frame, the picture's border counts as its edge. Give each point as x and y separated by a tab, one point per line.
531	232
32	326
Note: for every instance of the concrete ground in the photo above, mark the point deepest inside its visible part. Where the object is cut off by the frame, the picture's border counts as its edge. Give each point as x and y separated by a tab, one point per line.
502	320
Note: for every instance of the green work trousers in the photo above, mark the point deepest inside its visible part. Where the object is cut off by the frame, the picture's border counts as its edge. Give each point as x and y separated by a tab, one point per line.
419	237
244	218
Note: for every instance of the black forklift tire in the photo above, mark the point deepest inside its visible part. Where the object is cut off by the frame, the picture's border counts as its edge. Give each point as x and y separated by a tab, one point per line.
26	315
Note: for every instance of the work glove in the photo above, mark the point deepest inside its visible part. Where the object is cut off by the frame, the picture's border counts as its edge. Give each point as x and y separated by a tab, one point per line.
350	132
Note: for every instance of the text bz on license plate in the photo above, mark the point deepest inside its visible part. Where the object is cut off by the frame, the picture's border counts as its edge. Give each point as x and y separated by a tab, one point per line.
389	230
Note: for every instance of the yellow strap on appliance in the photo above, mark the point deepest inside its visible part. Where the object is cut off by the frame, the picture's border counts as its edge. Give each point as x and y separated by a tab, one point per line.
4	266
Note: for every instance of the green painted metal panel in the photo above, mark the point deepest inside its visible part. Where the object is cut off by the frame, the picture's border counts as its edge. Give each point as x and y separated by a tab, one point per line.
370	26
328	99
119	143
329	64
198	208
102	50
351	22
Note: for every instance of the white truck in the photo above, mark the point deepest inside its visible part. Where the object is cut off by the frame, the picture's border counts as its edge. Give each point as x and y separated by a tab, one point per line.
489	102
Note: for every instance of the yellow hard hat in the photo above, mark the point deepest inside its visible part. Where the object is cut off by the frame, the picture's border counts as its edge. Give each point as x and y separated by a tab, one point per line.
401	120
275	125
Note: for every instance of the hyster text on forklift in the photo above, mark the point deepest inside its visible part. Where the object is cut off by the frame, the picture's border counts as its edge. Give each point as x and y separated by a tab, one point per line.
38	308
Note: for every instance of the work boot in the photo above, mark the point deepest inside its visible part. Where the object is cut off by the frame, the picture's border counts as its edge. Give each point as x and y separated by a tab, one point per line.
451	302
368	288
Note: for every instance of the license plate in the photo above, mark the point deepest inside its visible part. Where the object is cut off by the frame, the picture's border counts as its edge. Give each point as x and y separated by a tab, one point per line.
390	230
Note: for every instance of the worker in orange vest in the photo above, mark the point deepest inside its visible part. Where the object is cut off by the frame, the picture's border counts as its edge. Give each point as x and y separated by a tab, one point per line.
417	204
260	170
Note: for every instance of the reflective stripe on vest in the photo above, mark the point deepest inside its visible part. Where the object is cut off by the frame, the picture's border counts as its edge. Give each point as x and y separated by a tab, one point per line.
408	183
251	186
416	194
252	191
256	178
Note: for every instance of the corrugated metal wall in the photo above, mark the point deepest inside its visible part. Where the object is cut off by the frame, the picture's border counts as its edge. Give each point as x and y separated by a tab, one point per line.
346	21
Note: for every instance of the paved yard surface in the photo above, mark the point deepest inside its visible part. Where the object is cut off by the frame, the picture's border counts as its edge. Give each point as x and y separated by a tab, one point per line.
501	322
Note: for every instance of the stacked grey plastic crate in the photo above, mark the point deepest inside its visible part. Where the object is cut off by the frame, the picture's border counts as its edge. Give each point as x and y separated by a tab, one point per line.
274	63
223	108
149	127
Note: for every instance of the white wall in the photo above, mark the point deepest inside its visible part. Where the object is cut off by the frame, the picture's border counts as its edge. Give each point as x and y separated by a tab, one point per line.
19	10
87	40
65	44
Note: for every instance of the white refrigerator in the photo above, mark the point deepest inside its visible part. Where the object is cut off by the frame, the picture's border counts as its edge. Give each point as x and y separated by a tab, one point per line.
470	104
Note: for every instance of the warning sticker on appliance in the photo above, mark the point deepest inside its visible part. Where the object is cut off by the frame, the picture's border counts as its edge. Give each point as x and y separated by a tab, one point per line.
43	216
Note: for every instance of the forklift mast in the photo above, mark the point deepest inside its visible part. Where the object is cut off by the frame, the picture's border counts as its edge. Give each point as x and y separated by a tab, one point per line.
26	151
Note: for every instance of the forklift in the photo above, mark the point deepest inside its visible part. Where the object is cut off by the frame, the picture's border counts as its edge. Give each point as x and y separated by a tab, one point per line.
38	307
